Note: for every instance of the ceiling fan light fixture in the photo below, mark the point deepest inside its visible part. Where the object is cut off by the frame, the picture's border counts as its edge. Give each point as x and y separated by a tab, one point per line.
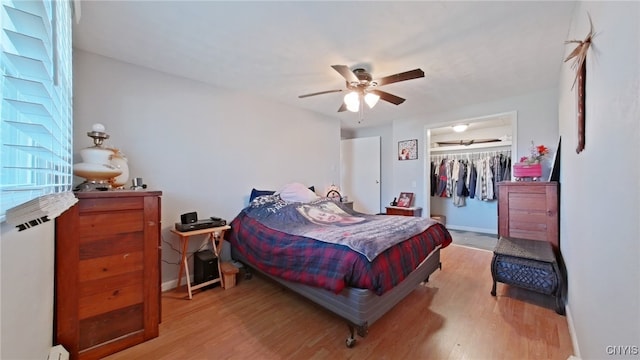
352	100
371	99
365	88
460	127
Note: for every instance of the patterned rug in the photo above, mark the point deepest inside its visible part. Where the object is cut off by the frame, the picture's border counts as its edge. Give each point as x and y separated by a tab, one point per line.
474	239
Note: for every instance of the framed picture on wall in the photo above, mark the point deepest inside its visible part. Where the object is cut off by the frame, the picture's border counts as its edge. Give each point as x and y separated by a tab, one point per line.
408	149
405	199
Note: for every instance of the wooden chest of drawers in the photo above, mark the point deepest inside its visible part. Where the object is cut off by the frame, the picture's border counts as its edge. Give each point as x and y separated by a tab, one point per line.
107	272
529	210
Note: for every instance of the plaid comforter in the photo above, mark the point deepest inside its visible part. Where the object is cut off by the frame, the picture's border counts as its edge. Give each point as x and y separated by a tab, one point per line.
330	266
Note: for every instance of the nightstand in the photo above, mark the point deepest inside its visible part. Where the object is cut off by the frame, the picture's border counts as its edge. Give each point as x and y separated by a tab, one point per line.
410	211
348	204
223	269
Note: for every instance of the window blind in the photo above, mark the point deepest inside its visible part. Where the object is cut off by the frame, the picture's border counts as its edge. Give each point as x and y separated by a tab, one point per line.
36	108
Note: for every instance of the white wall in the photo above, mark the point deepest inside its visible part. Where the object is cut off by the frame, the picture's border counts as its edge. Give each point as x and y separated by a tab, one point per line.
537	120
26	291
600	195
204	147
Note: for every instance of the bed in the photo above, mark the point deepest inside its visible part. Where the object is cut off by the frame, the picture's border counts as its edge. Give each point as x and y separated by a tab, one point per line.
323	251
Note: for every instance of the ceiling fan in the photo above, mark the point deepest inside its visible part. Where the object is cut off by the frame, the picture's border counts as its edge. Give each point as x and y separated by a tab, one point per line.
362	87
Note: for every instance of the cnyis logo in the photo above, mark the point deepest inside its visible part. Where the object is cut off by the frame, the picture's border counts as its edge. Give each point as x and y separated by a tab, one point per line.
628	350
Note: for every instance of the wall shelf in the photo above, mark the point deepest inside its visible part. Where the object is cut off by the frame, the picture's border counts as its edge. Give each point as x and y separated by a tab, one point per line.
497	144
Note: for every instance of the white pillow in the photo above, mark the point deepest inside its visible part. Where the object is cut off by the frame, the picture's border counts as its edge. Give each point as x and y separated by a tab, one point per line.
296	192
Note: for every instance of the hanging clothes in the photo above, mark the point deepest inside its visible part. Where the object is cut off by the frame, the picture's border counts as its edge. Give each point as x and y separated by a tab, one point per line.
434	178
473	178
469	175
461	191
450	185
442	179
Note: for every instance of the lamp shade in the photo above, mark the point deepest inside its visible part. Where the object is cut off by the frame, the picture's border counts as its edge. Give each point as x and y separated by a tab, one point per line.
371	99
352	101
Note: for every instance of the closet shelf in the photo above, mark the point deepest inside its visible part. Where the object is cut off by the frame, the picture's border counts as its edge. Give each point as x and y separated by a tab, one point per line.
471	147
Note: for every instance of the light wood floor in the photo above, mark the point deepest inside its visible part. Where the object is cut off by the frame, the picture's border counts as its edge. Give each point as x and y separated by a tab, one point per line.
453	316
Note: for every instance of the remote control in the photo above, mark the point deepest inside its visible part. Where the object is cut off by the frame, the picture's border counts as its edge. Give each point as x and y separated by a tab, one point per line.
215	218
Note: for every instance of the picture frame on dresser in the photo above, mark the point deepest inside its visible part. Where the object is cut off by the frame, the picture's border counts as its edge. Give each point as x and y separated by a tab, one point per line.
405	199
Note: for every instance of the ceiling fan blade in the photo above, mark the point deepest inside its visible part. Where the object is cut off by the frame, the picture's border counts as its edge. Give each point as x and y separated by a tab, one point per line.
342	108
388	97
407	75
319	93
346	73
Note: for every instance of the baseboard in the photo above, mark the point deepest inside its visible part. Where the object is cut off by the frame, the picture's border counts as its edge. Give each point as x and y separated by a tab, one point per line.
572	333
474	229
172	284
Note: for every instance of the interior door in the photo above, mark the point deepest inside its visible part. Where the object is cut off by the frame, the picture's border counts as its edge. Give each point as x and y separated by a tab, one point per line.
360	173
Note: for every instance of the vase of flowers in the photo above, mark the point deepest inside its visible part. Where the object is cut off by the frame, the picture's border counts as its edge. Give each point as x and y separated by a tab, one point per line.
530	166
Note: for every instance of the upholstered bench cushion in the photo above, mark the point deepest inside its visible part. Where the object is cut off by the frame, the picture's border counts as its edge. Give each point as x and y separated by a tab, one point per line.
528	249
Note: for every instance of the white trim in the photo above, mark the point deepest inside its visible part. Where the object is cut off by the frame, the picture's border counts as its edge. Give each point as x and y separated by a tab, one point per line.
474	229
77	11
171	284
470	247
572	333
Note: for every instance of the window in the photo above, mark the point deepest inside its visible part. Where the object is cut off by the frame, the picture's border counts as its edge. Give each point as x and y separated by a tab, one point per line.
36	107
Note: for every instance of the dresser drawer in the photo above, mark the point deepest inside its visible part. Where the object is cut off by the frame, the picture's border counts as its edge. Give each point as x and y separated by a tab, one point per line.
396	210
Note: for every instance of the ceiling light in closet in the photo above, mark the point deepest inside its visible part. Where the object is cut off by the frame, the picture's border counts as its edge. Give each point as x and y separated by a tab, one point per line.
460	127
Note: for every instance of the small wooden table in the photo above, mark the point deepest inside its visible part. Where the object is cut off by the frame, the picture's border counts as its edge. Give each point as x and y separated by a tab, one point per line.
211	233
410	211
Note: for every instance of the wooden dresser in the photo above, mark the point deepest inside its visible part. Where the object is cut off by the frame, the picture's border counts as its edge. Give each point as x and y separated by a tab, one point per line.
529	210
107	272
411	211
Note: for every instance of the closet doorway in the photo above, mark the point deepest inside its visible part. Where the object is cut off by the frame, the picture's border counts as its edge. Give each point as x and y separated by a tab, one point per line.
464	167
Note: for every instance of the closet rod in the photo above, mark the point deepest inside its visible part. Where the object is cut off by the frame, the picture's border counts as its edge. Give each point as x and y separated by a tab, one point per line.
475	153
490	145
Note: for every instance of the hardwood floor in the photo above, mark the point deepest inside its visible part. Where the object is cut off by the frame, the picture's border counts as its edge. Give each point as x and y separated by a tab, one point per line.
453	316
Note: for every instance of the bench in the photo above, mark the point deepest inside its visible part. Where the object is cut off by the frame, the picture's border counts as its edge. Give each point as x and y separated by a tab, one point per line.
529	264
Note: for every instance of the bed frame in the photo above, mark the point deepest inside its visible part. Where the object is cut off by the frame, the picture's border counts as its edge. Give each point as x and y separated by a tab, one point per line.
359	307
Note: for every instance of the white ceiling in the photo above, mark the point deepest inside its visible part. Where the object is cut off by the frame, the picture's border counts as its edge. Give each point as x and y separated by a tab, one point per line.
471	52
